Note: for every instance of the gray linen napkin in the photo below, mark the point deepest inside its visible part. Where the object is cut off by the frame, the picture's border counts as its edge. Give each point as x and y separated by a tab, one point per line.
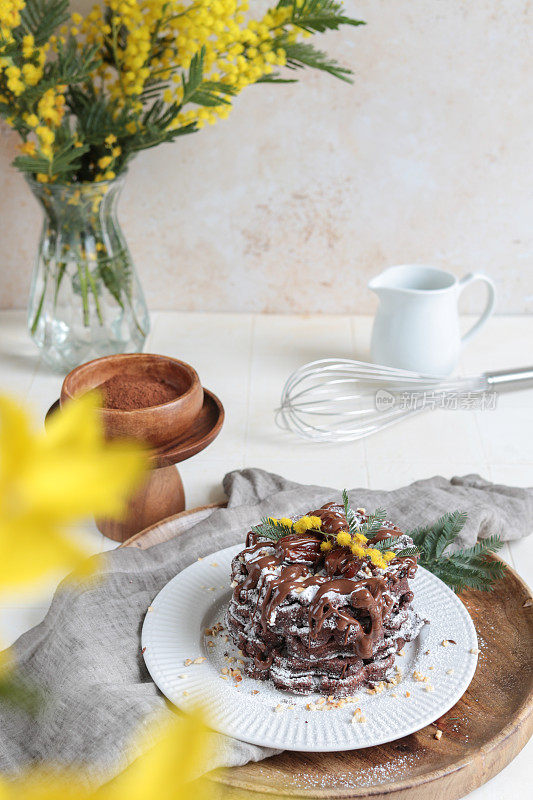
86	656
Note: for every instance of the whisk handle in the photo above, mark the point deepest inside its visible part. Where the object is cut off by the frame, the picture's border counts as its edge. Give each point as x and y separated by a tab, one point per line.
508	378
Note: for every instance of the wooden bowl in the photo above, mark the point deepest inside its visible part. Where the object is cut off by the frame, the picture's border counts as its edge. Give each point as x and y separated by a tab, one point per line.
159	426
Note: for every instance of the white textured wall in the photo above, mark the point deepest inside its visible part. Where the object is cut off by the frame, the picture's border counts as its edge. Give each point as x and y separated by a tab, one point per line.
308	190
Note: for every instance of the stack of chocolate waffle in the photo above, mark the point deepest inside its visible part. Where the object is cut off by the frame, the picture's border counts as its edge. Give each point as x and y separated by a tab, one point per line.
319	618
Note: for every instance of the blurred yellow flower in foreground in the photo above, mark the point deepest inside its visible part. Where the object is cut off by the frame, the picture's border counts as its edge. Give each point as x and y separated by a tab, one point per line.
49	479
162	773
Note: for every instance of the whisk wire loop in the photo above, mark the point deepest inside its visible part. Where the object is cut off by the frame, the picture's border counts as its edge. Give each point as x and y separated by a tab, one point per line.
342	400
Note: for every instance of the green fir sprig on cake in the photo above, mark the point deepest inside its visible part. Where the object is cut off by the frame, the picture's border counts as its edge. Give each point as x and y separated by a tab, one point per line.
466	568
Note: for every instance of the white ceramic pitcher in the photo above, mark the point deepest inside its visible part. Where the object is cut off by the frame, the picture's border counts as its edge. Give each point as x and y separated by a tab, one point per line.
417	323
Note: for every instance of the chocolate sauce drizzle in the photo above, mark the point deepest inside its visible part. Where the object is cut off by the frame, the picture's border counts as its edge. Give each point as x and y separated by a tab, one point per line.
339	593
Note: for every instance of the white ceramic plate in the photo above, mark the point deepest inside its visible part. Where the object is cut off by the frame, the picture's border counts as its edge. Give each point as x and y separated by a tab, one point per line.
196	599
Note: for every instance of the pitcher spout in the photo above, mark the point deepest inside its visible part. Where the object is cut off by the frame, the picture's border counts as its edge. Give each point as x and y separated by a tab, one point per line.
385	284
413	278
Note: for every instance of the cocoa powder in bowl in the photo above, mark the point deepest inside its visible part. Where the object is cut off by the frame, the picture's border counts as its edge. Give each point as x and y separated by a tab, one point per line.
135	417
127	392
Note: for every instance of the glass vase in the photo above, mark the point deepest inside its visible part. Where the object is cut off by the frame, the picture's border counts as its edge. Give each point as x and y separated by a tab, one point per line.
86	300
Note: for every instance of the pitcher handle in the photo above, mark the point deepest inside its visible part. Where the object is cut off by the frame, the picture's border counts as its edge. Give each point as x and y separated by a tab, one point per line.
466	281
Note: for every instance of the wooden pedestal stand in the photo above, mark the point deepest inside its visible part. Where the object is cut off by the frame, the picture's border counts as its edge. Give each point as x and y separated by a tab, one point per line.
162	494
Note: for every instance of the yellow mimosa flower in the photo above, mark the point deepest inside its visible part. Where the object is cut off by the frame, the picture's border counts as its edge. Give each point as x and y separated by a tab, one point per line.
167	769
358	551
376	558
28	148
344	539
302	525
307	523
48	479
286	521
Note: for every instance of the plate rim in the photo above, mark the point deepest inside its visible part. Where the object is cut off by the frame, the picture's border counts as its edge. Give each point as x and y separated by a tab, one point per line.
150	619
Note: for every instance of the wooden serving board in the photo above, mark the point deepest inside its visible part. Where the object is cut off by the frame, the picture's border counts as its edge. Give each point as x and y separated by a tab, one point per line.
482	733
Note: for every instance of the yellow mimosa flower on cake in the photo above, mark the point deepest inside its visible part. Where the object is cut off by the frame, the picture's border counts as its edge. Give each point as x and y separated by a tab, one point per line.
344	539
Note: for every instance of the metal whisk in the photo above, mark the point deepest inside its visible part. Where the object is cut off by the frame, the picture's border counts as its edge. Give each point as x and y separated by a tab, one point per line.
340	400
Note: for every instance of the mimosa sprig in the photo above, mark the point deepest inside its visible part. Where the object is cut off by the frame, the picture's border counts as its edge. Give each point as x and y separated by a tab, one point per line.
469	567
87	93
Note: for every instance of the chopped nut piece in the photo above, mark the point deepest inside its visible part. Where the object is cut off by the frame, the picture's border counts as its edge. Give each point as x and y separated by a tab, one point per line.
150	608
418	676
199	660
299	589
475	651
449	672
445	643
401	652
396	680
188	662
182	676
233	584
279	708
528	603
408	694
438	734
429	688
214	564
185	693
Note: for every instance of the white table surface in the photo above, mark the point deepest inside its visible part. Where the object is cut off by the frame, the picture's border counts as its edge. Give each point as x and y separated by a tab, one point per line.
245	359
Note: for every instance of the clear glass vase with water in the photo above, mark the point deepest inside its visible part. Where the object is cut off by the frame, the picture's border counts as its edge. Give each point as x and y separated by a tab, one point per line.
86	300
